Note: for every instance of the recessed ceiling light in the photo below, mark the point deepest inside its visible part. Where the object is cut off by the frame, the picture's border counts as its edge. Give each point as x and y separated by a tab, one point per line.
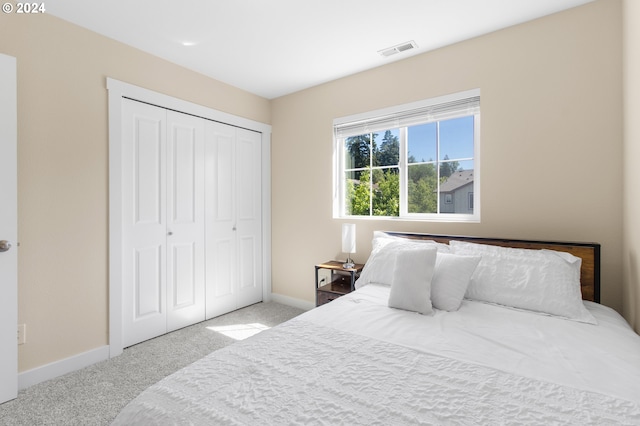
189	43
398	48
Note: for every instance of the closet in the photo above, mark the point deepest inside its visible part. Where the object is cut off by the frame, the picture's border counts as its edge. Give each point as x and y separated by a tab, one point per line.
191	225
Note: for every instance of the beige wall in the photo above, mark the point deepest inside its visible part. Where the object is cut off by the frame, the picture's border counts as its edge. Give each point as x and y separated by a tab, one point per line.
63	171
631	196
551	142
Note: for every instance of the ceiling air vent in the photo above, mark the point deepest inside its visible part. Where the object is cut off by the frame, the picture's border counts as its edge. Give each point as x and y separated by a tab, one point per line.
399	48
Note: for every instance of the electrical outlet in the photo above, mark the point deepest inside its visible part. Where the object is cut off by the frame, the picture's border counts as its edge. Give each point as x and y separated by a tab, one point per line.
324	277
22	334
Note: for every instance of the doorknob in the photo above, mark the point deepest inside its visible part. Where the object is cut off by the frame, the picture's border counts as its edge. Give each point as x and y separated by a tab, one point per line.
4	245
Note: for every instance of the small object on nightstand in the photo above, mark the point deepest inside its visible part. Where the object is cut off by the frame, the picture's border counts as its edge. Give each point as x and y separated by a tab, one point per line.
341	281
348	243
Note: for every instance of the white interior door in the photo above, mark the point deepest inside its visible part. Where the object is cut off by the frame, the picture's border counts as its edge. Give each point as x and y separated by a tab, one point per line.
144	222
249	216
233	212
163	221
8	230
185	220
220	202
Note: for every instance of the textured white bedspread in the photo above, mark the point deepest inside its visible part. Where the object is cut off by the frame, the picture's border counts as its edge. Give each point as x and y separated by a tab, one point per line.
306	373
603	358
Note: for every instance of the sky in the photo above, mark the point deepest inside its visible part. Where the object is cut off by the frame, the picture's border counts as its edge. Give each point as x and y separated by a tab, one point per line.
456	140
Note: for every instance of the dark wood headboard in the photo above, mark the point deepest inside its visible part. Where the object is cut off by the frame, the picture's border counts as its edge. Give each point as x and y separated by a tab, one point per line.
588	252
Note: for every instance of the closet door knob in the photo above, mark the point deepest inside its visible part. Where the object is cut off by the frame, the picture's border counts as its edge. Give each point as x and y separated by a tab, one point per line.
4	245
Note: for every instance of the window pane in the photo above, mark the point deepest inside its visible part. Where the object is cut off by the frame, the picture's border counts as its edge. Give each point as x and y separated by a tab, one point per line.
386	192
422	188
456	138
421	143
357	193
456	192
357	151
388	153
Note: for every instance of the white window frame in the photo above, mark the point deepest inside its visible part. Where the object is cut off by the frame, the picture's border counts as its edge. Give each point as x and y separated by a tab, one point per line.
387	116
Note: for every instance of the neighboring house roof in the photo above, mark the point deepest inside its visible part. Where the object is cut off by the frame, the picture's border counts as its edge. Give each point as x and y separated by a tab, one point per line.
457	180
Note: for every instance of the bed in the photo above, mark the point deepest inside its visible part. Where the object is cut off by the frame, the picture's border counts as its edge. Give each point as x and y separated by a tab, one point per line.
509	332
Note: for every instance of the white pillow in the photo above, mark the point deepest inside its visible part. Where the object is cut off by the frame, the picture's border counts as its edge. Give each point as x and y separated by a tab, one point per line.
451	279
544	281
379	267
411	282
381	237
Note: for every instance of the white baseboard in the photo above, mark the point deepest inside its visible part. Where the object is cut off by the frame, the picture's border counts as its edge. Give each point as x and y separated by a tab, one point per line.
64	366
290	301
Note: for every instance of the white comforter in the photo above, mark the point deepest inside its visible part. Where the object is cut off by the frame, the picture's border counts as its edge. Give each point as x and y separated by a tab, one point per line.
356	361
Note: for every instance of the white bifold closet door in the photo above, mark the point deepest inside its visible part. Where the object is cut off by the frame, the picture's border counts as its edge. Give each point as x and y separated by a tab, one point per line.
233	218
163	221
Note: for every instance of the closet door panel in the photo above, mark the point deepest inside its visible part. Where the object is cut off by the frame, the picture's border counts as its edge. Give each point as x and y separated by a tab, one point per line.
224	250
249	217
247	176
220	199
184	174
247	261
148	292
185	294
185	224
148	146
222	188
144	222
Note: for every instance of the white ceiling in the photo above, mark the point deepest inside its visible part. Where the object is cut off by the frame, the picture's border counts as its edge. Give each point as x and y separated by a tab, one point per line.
275	47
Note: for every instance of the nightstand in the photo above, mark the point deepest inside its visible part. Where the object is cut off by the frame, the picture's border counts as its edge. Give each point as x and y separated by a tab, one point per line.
341	281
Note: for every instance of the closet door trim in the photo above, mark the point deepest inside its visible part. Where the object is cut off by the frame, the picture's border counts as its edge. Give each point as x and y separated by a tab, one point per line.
117	91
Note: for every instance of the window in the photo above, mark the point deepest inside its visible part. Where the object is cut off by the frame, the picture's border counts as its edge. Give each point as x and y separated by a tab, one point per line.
417	161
